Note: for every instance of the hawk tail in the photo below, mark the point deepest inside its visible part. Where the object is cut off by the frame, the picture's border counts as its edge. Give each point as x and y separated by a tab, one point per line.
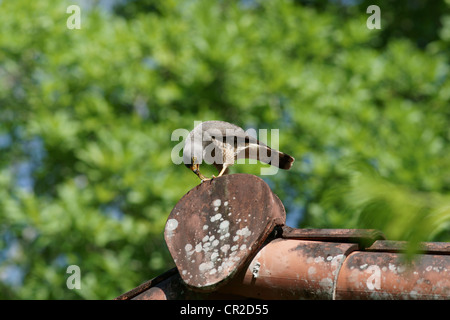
275	158
285	161
267	155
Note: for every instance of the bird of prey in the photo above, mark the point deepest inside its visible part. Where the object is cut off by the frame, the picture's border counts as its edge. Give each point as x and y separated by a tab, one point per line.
221	144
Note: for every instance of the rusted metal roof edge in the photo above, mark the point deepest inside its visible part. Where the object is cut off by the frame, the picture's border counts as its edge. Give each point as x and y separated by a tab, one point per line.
439	248
147	285
363	237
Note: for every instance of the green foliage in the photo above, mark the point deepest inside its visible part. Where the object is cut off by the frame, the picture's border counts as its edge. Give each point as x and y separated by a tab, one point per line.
86	118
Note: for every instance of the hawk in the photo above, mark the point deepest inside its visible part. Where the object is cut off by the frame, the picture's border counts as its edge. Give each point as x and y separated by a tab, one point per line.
221	143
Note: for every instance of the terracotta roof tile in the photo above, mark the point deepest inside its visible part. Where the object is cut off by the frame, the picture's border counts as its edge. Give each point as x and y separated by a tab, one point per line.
229	240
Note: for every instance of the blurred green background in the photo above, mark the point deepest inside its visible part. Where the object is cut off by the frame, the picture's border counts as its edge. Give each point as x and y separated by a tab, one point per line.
86	118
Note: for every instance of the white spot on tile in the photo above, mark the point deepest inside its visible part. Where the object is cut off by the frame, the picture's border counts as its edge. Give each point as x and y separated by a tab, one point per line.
224	226
172	224
244	232
205	266
214	256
